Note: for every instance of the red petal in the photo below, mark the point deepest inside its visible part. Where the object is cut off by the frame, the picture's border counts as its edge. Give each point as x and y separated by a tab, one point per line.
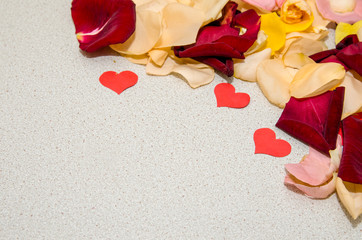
210	34
318	57
101	23
224	65
209	50
350	39
333	58
352	57
314	120
350	169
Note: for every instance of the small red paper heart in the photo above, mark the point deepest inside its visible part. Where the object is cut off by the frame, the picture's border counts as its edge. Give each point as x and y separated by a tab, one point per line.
226	96
118	82
266	143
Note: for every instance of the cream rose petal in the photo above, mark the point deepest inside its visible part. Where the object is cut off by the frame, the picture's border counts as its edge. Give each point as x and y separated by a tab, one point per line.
146	35
180	25
195	73
159	56
350	195
353	95
316	78
246	69
211	8
274	79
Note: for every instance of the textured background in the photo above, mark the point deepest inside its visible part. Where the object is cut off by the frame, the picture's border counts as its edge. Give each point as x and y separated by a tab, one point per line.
159	161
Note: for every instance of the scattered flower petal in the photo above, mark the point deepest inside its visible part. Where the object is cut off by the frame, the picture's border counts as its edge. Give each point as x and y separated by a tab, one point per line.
345	29
314	120
352	97
99	24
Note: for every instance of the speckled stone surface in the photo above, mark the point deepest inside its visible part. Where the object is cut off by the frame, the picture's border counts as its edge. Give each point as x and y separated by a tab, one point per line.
159	161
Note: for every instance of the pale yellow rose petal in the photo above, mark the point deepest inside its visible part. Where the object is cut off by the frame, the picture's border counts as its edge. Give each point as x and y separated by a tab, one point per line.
196	74
319	23
345	29
180	25
137	59
211	8
350	195
274	79
316	78
298	51
246	69
352	96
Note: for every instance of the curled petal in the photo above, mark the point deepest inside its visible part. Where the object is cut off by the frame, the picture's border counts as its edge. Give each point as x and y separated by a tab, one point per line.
196	74
318	192
296	15
99	24
314	169
316	78
246	69
274	79
338	13
350	195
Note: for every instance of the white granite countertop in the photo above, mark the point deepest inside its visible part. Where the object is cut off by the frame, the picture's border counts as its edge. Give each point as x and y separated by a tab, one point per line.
159	161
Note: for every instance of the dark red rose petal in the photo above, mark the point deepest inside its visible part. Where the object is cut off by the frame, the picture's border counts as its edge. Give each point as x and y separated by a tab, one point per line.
350	39
101	23
318	57
352	56
224	65
350	169
333	58
219	49
212	33
314	120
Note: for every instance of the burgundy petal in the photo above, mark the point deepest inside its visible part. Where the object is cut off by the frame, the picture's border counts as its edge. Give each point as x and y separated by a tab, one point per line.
350	169
212	33
318	57
101	23
219	49
224	65
314	120
348	40
239	43
352	56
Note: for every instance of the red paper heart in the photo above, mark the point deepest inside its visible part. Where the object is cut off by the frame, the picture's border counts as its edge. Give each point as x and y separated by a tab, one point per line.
118	82
266	143
226	96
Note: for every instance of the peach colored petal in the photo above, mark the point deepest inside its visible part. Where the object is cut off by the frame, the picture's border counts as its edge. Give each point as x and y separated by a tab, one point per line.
319	22
211	8
146	35
196	74
345	29
159	56
274	79
316	78
336	154
335	14
350	195
353	95
246	69
180	25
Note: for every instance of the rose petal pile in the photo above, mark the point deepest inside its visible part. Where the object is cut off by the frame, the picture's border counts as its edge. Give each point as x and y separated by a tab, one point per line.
279	44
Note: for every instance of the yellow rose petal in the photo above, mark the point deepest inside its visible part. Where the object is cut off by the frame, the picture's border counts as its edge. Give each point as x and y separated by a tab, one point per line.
296	15
350	195
316	78
345	29
274	28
